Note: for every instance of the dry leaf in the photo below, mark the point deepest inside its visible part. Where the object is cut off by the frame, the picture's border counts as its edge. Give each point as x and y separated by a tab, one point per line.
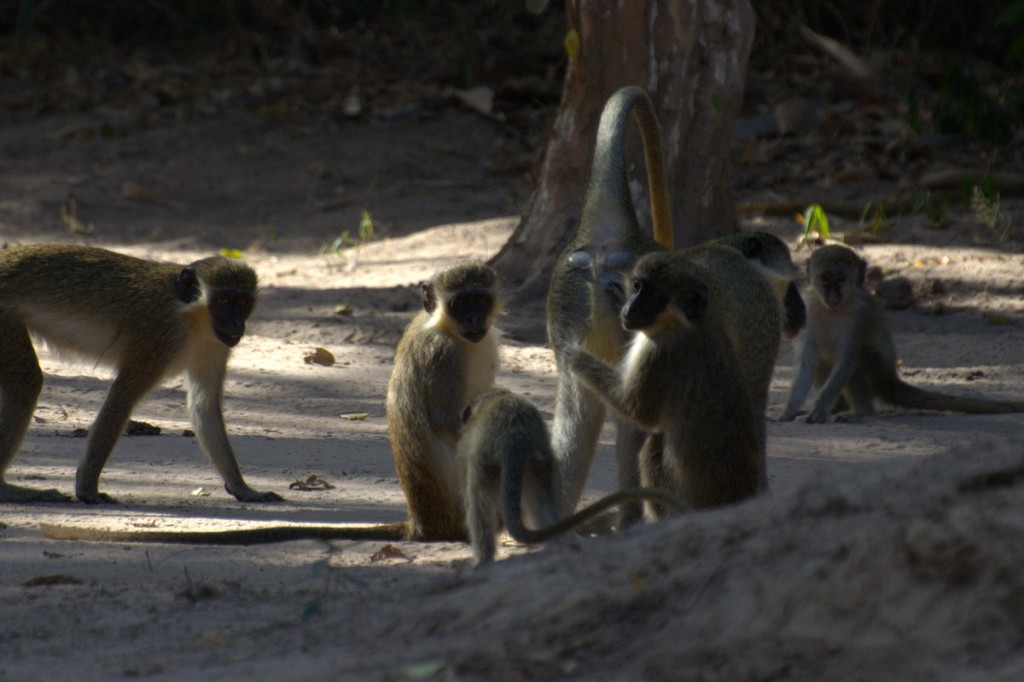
200	492
355	416
320	356
389	551
137	428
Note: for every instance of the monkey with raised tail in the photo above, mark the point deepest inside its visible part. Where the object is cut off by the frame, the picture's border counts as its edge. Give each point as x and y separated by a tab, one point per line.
148	320
681	380
510	477
585	293
447	356
848	350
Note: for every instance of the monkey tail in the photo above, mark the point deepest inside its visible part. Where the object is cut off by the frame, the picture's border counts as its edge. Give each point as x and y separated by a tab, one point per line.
895	391
609	159
243	536
529	536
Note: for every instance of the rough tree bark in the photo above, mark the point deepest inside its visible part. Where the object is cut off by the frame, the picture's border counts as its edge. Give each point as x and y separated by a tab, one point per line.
691	56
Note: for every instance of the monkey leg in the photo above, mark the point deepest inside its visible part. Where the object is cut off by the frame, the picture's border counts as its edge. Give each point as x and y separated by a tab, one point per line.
858	394
20	384
128	388
579	415
205	388
482	495
628	441
653	474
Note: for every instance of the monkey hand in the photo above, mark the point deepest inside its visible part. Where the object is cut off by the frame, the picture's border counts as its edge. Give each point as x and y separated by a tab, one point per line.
787	416
247	494
818	415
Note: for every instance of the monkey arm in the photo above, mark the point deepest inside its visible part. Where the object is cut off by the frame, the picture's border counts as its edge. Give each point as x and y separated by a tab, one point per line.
604	380
809	356
204	382
846	355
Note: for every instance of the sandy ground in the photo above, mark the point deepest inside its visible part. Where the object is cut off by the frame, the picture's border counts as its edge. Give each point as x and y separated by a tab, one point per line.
884	550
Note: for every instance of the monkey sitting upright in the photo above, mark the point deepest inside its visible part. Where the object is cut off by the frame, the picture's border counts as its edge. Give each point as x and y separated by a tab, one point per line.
148	320
681	380
848	349
447	356
509	473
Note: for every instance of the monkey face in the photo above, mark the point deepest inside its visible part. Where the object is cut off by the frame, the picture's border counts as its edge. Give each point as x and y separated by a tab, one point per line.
653	307
831	285
471	310
229	309
647	301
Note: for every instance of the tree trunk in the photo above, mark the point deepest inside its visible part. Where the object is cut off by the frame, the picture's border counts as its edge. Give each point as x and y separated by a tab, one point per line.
691	56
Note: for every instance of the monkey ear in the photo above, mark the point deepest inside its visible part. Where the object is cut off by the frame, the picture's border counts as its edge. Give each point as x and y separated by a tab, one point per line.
429	301
862	271
695	301
186	287
751	247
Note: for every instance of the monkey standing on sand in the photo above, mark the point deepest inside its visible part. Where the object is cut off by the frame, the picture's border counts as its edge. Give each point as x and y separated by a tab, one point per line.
585	293
447	356
148	320
682	381
848	349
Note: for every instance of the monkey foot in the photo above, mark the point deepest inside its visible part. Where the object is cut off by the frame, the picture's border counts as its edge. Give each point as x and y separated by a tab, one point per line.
17	493
95	497
247	494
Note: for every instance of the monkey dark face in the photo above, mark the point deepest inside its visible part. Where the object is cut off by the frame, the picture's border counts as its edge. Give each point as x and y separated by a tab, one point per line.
831	285
471	310
650	300
229	309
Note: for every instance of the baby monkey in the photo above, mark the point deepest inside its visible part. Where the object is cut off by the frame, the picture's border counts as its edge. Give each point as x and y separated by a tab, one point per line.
849	353
509	471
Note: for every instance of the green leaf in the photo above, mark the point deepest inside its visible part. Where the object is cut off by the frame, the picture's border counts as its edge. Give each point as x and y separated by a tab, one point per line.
815	220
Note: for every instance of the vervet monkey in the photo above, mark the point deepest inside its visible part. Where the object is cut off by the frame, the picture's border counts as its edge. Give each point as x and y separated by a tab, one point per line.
585	293
848	349
775	262
509	469
681	379
447	356
148	320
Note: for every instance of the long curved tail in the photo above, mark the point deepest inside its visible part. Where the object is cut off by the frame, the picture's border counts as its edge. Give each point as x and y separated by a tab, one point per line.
512	511
898	392
608	172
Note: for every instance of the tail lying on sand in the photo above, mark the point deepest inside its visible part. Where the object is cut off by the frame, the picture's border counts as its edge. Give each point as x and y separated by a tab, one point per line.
899	392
